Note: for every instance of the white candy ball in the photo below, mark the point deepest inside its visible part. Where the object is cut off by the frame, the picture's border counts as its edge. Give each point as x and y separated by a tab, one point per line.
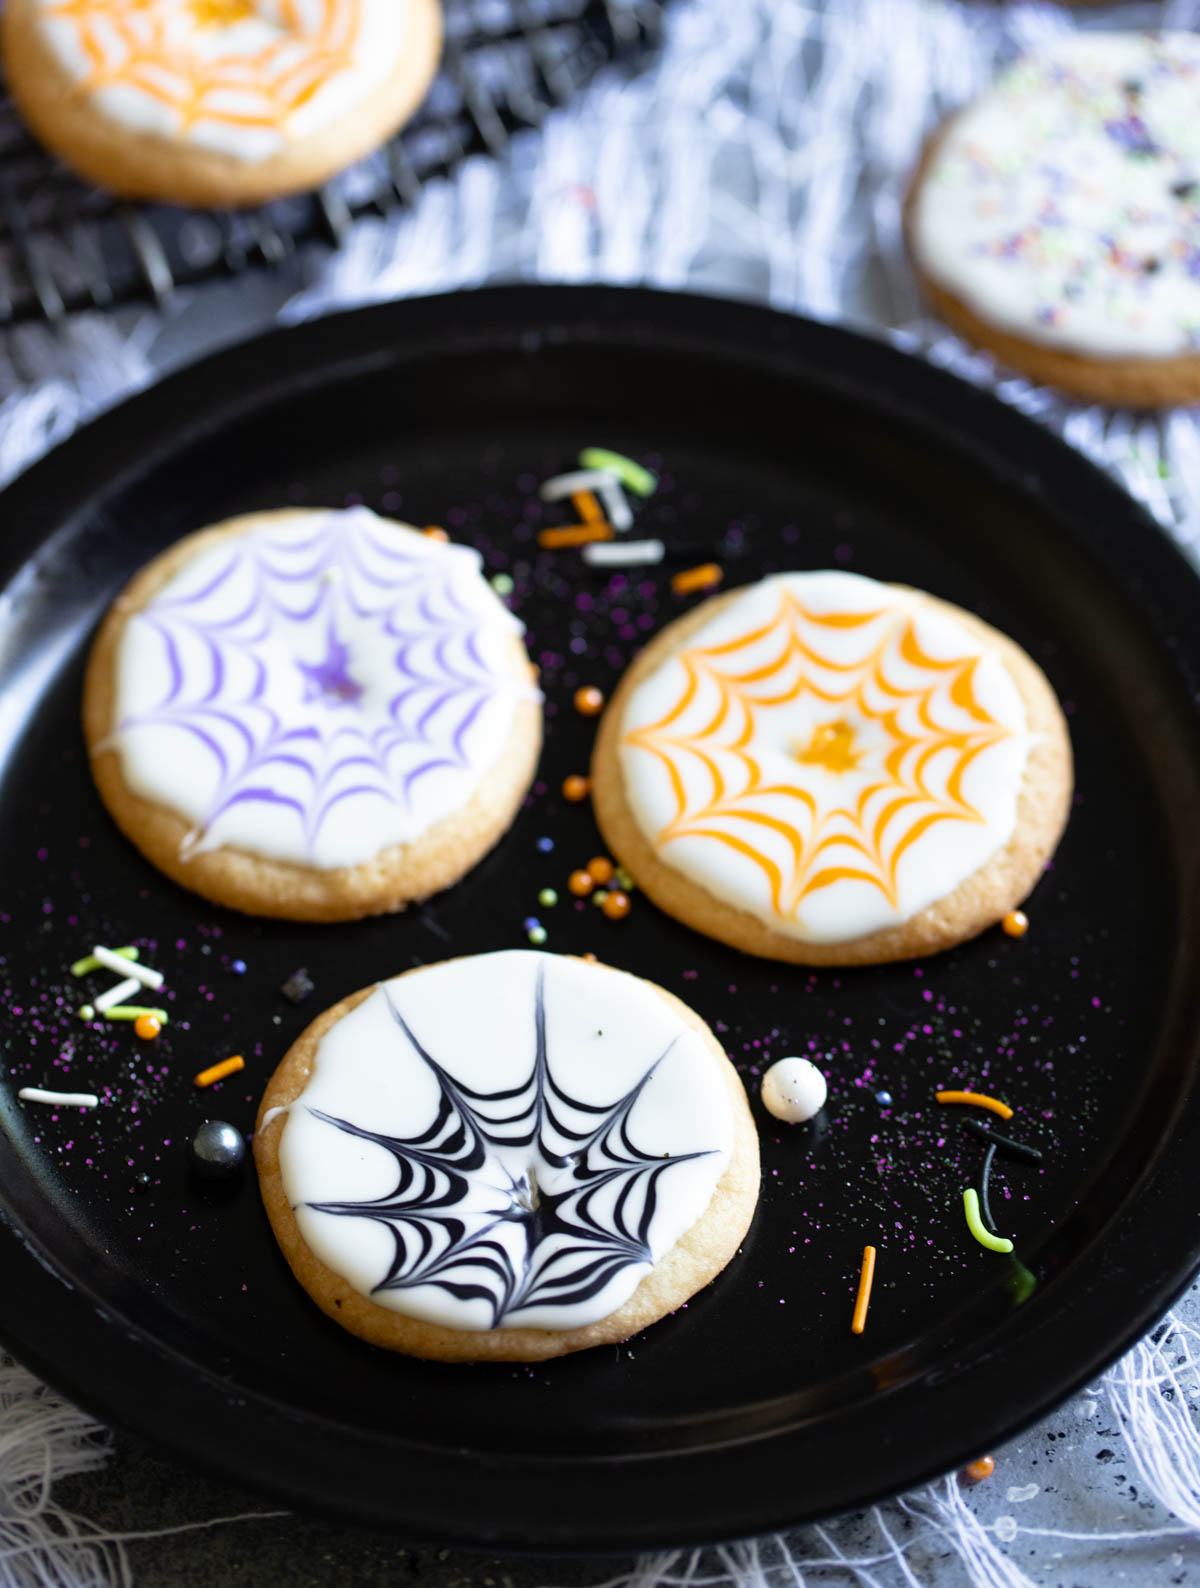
793	1089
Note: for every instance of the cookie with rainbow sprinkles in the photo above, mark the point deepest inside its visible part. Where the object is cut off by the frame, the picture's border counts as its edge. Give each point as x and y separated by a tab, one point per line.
217	102
1056	221
314	715
506	1157
829	770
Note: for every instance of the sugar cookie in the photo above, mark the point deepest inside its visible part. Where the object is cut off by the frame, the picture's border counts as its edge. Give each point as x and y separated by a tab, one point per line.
1056	221
314	715
506	1158
217	102
825	769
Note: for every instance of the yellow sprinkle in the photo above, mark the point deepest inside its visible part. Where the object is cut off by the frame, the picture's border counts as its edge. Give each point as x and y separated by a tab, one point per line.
994	1243
218	1072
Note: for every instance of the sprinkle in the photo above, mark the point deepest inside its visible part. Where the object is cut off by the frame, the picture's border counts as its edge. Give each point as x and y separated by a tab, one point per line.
86	1012
616	508
624	553
89	962
600	895
985	1179
994	1243
977	1100
884	1099
575	788
238	967
537	935
117	994
600	868
1018	1149
502	584
218	1072
548	897
706	577
632	475
590	959
297	987
866	1279
573	535
121	964
616	905
545	846
147	1027
135	1012
581	884
589	701
435	532
530	922
1015	923
624	880
588	508
979	1469
34	1094
564	485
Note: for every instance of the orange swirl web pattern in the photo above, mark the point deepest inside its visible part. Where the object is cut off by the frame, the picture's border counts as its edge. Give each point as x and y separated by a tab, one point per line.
931	720
135	43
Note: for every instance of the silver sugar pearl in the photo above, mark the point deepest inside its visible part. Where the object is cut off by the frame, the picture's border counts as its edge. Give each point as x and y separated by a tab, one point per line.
217	1150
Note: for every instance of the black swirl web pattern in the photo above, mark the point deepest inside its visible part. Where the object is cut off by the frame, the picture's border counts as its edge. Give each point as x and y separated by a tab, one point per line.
527	1245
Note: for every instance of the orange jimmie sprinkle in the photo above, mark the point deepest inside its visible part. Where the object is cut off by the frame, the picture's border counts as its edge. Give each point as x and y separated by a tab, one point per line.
588	508
218	1072
573	535
589	701
866	1279
575	788
976	1100
706	577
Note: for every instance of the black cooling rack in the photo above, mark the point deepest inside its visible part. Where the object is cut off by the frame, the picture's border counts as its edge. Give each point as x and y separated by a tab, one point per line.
65	246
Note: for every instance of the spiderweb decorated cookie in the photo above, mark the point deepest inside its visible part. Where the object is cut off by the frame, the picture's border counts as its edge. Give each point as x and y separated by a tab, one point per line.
825	769
217	101
314	715
1056	220
506	1158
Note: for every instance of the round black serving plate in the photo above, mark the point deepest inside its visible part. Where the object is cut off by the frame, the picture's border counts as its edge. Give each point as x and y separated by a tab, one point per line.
164	1305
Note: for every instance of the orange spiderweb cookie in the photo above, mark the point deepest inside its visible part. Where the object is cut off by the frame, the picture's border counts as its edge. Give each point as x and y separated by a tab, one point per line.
826	769
221	101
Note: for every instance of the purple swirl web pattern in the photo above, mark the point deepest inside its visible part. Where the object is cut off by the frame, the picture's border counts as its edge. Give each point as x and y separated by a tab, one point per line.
326	672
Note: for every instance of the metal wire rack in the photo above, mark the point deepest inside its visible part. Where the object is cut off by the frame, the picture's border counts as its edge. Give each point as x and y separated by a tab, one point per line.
65	246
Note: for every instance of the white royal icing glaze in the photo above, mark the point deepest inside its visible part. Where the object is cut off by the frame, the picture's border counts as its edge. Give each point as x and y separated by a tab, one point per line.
454	1098
237	77
827	755
1064	205
316	690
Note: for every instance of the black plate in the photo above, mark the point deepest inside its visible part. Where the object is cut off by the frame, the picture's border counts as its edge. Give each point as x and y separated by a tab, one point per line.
168	1309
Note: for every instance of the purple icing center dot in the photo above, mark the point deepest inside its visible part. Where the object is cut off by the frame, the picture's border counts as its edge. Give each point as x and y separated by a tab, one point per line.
329	679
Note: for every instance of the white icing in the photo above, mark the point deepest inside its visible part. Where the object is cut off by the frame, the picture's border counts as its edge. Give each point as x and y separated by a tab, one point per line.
717	781
605	1032
242	86
1063	206
318	690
